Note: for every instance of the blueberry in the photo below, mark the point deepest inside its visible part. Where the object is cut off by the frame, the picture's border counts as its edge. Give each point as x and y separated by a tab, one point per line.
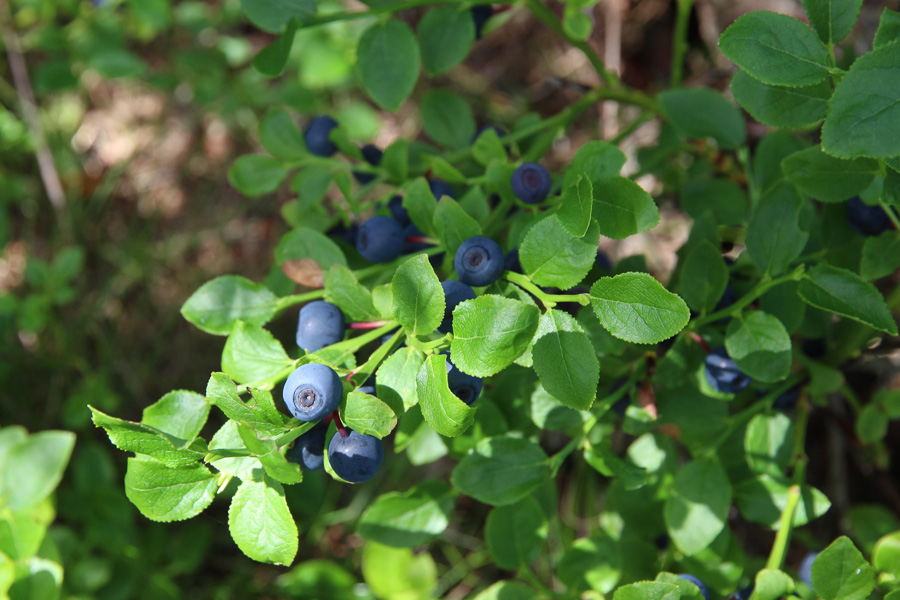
395	205
316	136
497	130
511	261
368	387
787	400
312	392
530	183
703	589
441	188
723	374
661	541
380	239
454	293
866	219
320	324
480	14
815	348
742	594
372	155
411	231
805	570
464	386
603	261
348	234
308	450
355	458
478	261
729	297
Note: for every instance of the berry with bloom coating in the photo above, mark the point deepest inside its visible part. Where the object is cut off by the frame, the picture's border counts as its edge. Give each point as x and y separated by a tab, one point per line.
454	293
372	155
380	239
478	261
805	570
531	183
308	450
866	219
320	324
316	136
395	205
464	386
723	374
312	392
355	458
703	589
441	188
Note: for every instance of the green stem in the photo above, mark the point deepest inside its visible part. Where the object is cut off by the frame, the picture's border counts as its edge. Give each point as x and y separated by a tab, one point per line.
632	127
764	285
526	573
293	300
891	214
679	41
548	300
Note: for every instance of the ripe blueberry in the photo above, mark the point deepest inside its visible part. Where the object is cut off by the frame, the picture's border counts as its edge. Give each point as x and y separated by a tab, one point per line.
603	261
530	183
441	188
742	594
308	450
497	130
729	297
723	374
815	348
312	392
787	400
316	136
355	458
511	261
395	205
372	155
464	386
348	234
380	239
703	589
480	14
866	219
320	324
805	570
478	261
454	293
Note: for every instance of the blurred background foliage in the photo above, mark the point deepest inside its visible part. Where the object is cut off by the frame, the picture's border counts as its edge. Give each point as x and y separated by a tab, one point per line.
143	105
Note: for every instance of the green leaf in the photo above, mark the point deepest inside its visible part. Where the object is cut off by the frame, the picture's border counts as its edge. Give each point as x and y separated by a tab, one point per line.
703	277
723	197
501	470
622	207
841	572
396	160
565	360
368	415
453	225
845	293
305	243
704	112
447	414
865	116
490	332
648	590
832	19
760	345
220	303
772	584
488	148
827	178
263	417
636	308
395	381
774	237
781	106
595	160
696	510
574	212
409	519
447	118
445	35
179	413
397	573
888	28
605	461
772	149
270	456
507	590
515	533
871	424
281	136
256	174
593	563
347	293
273	15
418	302
886	554
769	443
387	60
144	439
880	256
261	523
32	466
252	354
551	256
762	500
164	494
235	460
271	60
420	203
776	49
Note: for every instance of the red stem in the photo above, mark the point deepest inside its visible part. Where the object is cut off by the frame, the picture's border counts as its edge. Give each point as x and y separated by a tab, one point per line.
418	239
696	337
340	426
368	324
327	419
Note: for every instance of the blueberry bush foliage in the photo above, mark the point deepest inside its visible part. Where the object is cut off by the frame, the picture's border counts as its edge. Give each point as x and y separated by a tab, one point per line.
689	402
